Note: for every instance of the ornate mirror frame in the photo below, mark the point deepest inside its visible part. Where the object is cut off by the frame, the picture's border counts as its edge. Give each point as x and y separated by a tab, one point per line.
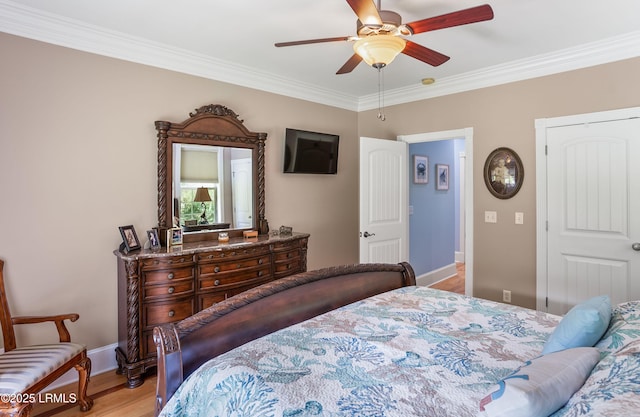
215	125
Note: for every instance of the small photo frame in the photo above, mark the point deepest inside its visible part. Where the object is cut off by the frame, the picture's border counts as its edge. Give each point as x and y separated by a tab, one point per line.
129	238
154	240
174	236
442	177
420	169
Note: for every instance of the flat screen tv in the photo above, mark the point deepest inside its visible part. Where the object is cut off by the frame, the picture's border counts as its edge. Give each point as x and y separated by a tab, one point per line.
310	152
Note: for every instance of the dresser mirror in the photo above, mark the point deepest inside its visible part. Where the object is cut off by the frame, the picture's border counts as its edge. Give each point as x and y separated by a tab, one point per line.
210	175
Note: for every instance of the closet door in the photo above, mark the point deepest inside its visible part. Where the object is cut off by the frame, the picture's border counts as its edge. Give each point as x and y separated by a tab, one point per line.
593	211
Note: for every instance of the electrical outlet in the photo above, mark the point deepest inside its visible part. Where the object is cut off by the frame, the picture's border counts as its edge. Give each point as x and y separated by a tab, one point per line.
506	296
490	217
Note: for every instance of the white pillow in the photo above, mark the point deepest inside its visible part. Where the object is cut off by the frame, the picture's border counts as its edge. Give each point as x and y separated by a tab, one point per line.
542	385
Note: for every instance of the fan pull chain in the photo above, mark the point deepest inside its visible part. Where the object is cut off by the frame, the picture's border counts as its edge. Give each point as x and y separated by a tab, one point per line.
381	115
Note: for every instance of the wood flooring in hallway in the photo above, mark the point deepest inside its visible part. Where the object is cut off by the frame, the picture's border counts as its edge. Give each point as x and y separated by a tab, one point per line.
453	284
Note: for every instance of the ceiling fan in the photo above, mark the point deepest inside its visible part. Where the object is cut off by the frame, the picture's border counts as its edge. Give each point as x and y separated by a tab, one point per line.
380	34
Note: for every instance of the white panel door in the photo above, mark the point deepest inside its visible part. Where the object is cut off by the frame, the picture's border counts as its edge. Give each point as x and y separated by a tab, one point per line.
384	226
593	185
242	189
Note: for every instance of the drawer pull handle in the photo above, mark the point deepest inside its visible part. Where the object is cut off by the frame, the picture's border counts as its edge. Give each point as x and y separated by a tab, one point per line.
172	313
238	266
289	255
216	269
171	290
170	276
259	273
216	282
260	261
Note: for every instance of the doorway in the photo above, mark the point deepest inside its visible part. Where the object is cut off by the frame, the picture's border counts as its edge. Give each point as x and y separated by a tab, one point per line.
467	199
588	184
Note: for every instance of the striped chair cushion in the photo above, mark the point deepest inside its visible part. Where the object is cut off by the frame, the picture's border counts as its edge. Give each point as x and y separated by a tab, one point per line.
22	367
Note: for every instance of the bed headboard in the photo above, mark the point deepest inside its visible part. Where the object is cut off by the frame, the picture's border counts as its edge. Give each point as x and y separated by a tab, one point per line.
183	346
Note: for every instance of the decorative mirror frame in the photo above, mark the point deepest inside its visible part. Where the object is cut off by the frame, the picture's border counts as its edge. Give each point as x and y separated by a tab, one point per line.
512	163
215	125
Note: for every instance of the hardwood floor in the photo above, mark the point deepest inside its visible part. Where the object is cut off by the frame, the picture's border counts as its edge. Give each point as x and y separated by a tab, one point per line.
113	399
453	284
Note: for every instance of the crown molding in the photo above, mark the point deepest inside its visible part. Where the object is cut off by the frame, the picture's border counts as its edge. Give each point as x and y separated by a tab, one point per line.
595	53
35	24
31	23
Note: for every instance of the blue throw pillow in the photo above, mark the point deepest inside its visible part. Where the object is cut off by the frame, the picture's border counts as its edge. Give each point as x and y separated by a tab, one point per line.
582	326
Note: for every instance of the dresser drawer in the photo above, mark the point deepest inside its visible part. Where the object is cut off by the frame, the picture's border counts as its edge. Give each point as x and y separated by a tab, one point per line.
286	255
148	345
166	262
161	313
234	277
206	300
175	289
292	266
233	265
278	246
236	253
165	276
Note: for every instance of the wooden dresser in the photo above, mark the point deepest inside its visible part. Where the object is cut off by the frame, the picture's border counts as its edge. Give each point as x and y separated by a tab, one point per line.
167	285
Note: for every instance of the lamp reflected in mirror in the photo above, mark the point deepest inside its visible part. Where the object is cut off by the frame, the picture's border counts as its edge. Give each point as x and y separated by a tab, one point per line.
202	196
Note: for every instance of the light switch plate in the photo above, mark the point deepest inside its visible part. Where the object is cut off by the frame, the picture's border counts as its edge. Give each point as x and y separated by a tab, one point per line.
519	217
490	217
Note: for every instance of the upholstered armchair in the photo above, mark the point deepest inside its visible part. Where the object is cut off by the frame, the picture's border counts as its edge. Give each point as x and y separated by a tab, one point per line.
26	370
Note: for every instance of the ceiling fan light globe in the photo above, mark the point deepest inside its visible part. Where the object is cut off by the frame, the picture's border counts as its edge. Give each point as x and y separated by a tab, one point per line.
379	50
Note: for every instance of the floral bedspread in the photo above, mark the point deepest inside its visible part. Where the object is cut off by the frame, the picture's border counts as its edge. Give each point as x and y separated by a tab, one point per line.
414	351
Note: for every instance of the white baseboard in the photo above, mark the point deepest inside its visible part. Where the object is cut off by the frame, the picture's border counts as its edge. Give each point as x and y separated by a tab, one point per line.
103	359
459	257
436	275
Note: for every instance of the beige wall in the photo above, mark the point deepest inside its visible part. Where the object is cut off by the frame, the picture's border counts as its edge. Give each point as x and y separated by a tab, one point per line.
78	159
505	253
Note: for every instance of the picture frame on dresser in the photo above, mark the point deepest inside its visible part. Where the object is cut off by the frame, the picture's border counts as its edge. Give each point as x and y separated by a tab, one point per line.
174	236
154	239
130	239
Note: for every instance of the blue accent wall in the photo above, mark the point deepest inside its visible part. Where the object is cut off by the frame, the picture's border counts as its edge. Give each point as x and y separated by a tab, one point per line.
434	225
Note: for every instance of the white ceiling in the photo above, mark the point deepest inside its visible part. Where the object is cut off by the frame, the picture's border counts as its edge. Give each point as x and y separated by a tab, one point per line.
232	41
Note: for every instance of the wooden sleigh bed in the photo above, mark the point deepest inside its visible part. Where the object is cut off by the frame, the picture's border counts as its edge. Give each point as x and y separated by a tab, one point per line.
362	340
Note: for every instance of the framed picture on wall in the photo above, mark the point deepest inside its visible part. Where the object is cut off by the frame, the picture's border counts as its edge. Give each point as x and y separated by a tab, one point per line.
442	177
420	169
503	173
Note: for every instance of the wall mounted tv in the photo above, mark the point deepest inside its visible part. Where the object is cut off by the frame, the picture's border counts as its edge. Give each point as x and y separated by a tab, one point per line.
310	152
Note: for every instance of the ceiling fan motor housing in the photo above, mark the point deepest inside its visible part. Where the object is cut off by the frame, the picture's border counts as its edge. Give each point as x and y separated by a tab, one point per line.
391	25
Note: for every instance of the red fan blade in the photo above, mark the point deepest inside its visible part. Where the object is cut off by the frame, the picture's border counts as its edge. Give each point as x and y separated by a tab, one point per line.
423	54
350	64
294	43
459	18
366	11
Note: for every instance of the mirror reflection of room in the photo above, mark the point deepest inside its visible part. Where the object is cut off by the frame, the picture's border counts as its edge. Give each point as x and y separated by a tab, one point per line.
212	187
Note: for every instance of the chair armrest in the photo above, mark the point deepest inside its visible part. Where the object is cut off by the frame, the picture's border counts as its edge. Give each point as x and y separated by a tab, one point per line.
58	320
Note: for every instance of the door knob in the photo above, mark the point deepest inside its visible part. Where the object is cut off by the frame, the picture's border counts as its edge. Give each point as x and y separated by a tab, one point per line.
635	246
367	234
